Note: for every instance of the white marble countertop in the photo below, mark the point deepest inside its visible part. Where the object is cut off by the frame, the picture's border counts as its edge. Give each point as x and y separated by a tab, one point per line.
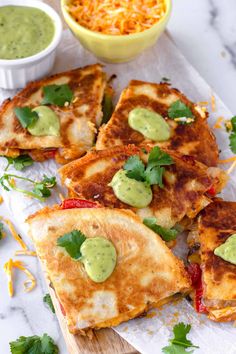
205	31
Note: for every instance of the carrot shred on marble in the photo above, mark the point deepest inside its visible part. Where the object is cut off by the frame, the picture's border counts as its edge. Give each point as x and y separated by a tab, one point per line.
232	167
217	124
29	283
230	159
213	103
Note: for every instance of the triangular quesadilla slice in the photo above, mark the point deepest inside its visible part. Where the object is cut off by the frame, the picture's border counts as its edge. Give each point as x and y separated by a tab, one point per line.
187	184
74	115
182	126
212	261
145	272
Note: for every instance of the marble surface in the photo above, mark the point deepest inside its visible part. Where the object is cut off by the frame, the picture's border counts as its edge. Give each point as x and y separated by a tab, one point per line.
205	32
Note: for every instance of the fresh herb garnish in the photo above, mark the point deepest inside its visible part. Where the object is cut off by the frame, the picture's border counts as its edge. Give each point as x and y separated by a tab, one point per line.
166	234
178	110
47	300
26	116
19	162
153	173
72	242
40	191
57	94
165	79
232	137
180	342
1	231
34	345
107	107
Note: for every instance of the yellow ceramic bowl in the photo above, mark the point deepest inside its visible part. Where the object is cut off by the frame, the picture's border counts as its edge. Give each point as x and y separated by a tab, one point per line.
113	48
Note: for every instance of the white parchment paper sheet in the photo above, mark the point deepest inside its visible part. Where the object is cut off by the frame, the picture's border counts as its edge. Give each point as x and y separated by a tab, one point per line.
148	335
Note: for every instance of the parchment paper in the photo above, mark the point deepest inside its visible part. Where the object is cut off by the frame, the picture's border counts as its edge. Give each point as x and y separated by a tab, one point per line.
148	334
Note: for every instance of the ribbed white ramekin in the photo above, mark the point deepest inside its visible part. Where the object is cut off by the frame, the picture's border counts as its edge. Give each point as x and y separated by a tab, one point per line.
16	73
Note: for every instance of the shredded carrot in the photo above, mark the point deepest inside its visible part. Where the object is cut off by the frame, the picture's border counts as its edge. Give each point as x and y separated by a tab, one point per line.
213	103
232	167
203	103
29	284
1	199
117	17
25	253
230	159
14	233
217	124
61	196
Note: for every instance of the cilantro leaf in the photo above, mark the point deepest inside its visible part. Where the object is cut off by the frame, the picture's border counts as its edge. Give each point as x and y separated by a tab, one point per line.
107	107
40	190
19	162
57	94
166	234
34	345
72	242
1	230
135	168
47	300
154	175
233	122
175	349
178	109
232	139
157	157
26	116
180	341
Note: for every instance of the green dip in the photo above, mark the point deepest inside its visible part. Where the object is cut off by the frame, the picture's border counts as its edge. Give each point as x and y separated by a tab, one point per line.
24	31
151	124
98	257
135	193
227	250
48	123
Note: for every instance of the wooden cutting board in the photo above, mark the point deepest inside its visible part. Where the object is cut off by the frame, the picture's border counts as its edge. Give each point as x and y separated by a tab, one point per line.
104	341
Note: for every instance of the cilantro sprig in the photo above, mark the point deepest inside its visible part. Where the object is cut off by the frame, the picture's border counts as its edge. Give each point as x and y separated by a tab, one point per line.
26	116
57	94
72	242
34	345
41	189
19	162
232	137
47	300
180	112
179	343
166	234
153	172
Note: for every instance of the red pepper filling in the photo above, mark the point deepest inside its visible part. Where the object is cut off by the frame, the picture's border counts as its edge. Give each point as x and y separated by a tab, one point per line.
212	191
195	273
78	203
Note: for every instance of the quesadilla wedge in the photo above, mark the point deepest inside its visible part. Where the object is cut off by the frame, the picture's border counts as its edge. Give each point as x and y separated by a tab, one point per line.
78	118
214	277
186	183
189	136
146	273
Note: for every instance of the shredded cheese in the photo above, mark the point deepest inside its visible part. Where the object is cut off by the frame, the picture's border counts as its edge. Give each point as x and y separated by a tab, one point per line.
203	103
61	196
217	124
1	199
230	159
14	233
213	103
232	167
29	283
25	253
117	17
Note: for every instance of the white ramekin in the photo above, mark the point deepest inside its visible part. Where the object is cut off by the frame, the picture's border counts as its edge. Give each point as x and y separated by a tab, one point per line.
17	72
